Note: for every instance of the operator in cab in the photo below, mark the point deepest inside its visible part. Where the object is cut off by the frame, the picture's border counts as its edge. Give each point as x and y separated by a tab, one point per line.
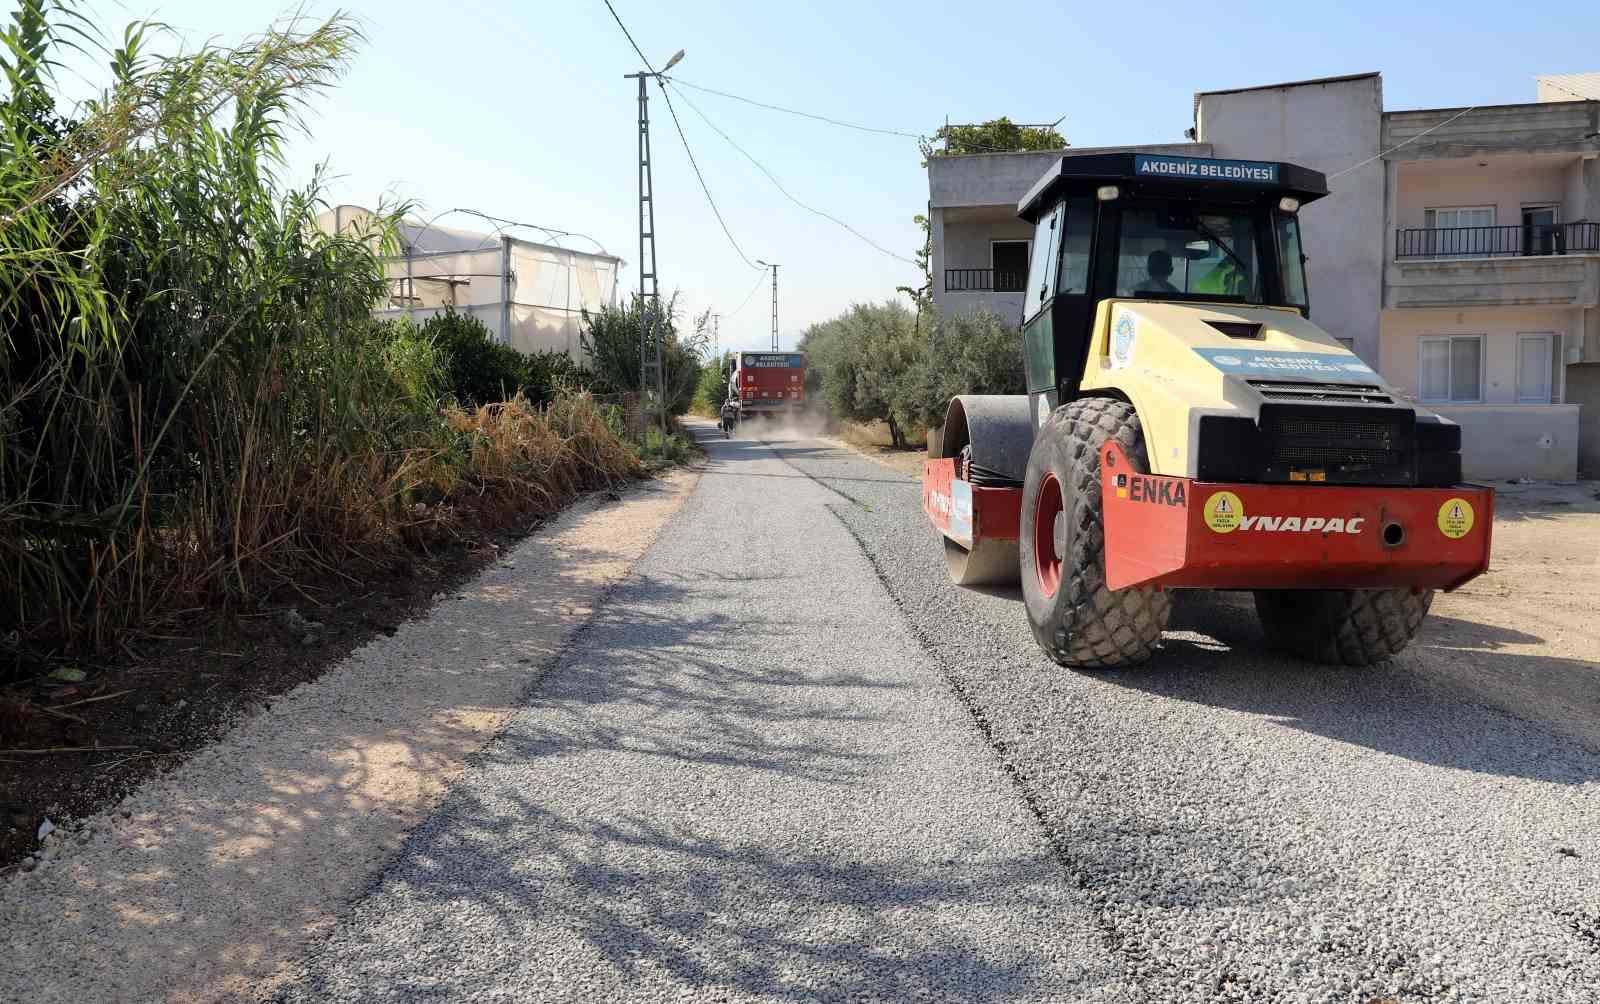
1159	267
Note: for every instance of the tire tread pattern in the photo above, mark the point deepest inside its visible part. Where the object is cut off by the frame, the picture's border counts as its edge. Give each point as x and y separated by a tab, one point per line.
1342	627
1097	628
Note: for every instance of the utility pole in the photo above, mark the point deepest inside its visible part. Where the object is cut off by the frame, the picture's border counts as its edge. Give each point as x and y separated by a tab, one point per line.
649	288
716	338
774	301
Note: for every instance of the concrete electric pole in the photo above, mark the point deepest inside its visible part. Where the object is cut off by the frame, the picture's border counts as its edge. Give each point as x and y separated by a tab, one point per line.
649	288
774	301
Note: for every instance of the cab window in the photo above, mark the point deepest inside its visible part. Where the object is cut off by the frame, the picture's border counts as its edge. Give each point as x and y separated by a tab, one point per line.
1291	260
1040	272
1076	237
1172	252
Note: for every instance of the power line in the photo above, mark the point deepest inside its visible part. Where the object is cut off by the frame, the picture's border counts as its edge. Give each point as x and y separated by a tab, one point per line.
742	303
791	111
779	185
682	138
851	125
1397	146
703	187
631	42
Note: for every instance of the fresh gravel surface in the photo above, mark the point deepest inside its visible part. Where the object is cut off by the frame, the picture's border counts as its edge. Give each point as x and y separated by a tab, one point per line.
1247	827
747	781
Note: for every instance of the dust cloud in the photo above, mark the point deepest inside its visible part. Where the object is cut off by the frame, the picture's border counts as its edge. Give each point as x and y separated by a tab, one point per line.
799	425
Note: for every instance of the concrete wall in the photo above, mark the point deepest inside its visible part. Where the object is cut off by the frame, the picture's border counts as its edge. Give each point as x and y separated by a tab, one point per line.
1403	328
987	179
1519	441
1583	390
1507	183
1328	126
1007	306
966	242
1562	127
1583	190
1571	280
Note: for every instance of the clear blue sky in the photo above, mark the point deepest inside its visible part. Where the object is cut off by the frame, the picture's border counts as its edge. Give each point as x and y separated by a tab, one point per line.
520	109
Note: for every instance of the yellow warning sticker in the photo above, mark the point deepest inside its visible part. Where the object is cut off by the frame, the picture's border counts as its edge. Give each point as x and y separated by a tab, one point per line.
1455	518
1223	511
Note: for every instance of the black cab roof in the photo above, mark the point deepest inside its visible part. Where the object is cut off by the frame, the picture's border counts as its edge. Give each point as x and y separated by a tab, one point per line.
1171	176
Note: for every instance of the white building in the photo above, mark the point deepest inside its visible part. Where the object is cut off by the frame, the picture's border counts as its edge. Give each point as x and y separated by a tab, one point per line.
530	295
1458	250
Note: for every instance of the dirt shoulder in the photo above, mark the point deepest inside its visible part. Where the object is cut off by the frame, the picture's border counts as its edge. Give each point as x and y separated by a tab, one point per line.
202	883
1527	634
873	441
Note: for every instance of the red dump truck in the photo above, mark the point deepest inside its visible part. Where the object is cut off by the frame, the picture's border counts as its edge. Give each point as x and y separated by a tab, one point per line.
768	383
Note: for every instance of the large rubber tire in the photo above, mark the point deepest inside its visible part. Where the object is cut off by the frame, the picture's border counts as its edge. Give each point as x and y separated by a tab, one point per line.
1342	627
1075	618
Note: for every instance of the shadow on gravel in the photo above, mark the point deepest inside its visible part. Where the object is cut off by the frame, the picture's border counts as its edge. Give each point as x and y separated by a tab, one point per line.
666	912
1215	654
678	670
518	889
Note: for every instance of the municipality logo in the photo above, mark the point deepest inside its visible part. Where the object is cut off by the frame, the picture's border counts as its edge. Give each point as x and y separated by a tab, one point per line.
1122	340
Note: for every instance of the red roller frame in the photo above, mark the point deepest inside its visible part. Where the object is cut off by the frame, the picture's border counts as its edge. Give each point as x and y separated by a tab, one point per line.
1159	531
966	513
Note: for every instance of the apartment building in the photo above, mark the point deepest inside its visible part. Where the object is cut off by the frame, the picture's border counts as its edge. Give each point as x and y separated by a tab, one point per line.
1458	250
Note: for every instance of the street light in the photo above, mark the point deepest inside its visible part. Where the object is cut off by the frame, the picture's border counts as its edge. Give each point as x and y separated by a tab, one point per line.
671	62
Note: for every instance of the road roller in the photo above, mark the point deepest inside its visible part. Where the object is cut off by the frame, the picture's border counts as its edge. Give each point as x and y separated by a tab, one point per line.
1188	426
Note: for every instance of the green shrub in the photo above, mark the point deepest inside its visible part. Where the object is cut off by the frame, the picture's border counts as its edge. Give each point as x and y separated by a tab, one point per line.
861	356
673	449
713	388
479	370
962	354
554	371
196	409
611	338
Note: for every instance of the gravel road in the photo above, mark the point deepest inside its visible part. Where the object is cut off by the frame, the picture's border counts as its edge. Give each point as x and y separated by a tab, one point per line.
746	782
789	761
1254	828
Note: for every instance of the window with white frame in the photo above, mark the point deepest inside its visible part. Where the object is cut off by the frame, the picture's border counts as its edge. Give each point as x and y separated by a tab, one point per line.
1536	368
1450	369
1461	230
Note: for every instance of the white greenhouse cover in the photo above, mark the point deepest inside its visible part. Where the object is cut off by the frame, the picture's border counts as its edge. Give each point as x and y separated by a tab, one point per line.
549	287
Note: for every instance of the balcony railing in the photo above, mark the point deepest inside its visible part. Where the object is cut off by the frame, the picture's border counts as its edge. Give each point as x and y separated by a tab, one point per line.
983	280
1492	242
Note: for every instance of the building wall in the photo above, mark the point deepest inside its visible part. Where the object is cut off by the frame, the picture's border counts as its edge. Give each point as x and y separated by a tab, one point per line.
966	244
1507	183
1500	442
1583	389
1583	190
1328	126
1500	326
1006	306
